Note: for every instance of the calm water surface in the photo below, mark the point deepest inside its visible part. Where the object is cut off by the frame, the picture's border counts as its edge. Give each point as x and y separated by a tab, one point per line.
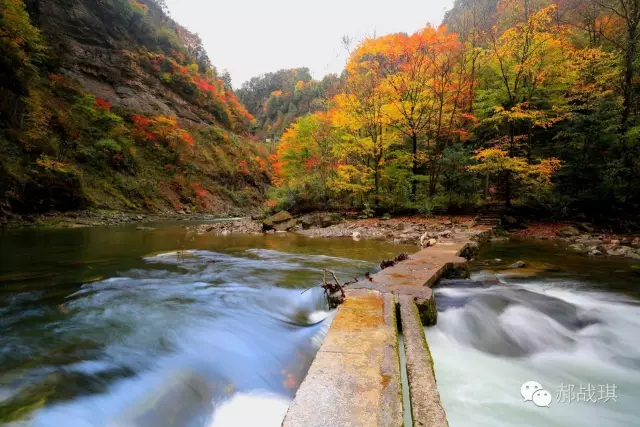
110	326
570	323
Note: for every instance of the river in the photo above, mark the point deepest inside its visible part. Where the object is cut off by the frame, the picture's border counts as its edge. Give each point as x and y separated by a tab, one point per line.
570	323
110	326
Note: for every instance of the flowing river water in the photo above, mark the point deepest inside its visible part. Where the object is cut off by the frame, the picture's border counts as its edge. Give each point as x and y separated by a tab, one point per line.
110	326
570	323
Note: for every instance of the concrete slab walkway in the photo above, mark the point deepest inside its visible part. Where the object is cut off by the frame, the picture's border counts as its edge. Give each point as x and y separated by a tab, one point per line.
355	378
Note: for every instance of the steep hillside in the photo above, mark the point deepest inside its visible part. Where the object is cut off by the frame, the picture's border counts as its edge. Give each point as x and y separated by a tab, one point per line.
111	104
277	99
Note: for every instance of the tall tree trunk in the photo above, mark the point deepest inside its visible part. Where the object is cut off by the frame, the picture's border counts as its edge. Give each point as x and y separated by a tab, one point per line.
486	186
507	184
628	78
414	168
507	189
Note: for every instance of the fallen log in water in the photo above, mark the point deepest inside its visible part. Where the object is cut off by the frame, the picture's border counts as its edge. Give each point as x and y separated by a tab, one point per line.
333	291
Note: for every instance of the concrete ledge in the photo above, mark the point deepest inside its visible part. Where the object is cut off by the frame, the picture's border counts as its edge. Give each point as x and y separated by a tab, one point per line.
354	380
426	408
355	377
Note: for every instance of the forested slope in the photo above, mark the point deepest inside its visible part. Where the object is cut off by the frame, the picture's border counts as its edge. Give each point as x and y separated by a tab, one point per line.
530	103
277	99
112	104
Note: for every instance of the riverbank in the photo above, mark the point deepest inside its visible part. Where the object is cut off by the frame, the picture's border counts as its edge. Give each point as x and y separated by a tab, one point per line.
95	218
584	239
414	230
428	231
400	230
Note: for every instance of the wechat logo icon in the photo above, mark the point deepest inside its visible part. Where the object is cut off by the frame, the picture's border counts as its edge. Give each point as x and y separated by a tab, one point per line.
533	391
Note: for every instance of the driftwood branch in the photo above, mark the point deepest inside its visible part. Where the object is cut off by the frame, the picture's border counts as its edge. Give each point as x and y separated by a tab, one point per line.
391	262
333	290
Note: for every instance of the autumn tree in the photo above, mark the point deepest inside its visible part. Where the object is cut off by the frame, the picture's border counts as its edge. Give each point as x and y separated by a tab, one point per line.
419	77
360	109
194	47
306	158
20	45
472	20
615	24
528	74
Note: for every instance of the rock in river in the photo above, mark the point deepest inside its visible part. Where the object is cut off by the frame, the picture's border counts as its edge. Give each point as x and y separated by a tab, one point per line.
282	221
518	264
568	232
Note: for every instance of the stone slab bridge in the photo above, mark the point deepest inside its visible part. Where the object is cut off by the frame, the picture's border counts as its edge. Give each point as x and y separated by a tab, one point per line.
356	378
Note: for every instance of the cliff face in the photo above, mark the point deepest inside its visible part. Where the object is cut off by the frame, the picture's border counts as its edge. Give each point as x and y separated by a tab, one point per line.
111	104
94	49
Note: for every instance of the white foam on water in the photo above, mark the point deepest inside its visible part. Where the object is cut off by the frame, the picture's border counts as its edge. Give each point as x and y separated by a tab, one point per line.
258	408
479	381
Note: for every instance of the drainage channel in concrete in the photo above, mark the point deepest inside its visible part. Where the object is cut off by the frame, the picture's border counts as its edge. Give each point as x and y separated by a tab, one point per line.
374	367
406	397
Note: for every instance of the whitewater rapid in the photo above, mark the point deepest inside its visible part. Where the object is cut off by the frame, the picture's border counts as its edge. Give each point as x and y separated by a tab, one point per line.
489	340
198	338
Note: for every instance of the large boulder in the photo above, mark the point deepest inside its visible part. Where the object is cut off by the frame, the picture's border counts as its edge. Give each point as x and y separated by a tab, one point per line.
584	227
568	232
619	250
589	241
511	223
320	220
282	221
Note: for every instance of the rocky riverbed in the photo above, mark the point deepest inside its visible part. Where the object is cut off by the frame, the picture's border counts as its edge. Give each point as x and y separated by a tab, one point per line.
402	230
584	239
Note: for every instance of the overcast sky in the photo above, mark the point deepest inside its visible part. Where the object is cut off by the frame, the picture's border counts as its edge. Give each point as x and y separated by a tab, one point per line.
252	37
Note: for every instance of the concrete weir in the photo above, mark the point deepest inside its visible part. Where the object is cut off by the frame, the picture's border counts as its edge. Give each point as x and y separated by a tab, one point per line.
355	379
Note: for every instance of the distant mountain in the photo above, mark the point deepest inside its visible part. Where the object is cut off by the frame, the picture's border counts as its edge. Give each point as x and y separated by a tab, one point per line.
277	99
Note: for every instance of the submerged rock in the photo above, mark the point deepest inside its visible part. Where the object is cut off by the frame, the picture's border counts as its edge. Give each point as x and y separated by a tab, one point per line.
589	241
491	322
518	264
577	247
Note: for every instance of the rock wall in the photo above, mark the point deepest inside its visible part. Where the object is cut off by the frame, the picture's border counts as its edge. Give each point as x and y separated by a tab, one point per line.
91	49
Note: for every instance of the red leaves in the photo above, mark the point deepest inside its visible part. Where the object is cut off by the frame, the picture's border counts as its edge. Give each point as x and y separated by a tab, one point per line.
311	163
540	230
200	192
186	138
57	78
160	129
244	167
204	86
103	105
141	121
